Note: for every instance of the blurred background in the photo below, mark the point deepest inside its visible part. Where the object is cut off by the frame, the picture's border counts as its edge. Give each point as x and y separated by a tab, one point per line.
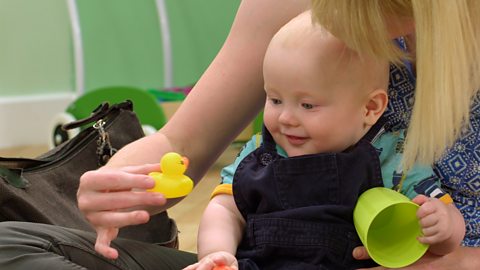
53	52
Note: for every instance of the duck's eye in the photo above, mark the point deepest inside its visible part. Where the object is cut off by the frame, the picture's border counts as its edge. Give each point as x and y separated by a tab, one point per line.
181	162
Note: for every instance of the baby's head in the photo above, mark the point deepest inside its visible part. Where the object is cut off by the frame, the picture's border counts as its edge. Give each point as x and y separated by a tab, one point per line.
321	95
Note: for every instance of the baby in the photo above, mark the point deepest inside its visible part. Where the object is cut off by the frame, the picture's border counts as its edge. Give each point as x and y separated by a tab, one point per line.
287	200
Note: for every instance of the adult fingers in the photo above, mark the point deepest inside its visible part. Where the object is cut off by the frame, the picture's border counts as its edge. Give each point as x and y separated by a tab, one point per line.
102	244
103	201
115	219
110	180
360	253
142	169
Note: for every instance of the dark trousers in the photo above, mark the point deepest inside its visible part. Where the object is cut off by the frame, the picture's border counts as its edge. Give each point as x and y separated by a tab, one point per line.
38	246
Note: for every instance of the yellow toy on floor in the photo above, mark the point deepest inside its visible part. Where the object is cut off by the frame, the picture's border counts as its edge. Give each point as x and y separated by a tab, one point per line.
172	182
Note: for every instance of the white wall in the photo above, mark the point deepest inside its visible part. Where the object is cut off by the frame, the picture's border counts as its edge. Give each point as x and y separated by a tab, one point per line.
36	48
25	120
122	46
36	69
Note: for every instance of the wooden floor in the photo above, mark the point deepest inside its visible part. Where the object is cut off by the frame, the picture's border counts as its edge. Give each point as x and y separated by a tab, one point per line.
187	213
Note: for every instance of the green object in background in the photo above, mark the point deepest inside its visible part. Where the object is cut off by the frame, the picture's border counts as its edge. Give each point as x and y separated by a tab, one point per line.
123	45
388	226
258	123
198	29
121	40
145	104
163	96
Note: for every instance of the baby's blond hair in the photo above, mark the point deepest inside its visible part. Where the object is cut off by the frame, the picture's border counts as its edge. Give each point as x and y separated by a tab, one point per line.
327	51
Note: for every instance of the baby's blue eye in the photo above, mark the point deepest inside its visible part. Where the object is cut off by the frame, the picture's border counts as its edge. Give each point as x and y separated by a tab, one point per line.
276	101
307	106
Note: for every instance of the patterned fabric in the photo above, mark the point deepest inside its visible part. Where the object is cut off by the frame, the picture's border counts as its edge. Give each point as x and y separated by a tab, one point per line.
459	168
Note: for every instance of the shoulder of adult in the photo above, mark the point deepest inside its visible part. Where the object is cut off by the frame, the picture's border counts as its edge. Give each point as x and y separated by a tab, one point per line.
263	18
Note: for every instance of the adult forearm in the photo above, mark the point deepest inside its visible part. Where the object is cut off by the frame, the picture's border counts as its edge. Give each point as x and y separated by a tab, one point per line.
227	96
145	150
230	92
468	258
463	258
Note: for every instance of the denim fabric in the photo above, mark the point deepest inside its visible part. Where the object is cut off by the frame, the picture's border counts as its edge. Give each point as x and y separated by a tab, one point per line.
299	210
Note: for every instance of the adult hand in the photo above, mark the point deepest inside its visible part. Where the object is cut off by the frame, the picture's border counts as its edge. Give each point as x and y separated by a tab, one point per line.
114	198
463	258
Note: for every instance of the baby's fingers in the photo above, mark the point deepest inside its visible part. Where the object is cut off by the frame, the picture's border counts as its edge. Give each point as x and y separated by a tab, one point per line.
420	199
428	221
192	266
427	208
435	234
205	264
430	239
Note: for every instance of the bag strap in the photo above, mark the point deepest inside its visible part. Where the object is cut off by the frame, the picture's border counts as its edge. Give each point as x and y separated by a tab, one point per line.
100	112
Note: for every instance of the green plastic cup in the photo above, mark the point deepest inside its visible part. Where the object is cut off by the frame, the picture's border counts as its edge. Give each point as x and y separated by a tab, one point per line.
388	227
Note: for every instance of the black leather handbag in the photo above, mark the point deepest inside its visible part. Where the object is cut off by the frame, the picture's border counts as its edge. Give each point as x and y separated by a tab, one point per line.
43	189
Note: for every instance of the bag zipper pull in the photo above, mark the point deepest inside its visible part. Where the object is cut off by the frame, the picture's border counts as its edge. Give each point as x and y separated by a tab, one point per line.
104	147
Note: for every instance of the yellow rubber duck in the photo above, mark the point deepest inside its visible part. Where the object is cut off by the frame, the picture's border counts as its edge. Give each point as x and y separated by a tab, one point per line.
171	182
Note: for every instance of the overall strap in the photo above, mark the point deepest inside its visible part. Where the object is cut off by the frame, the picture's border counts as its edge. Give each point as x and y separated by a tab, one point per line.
377	130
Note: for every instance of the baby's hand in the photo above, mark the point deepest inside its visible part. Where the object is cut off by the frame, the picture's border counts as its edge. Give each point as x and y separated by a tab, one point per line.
435	220
215	261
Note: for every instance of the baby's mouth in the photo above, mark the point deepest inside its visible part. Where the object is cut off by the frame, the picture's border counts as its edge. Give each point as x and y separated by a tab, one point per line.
295	140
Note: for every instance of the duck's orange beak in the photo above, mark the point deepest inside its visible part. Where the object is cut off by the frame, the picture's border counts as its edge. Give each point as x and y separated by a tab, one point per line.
185	161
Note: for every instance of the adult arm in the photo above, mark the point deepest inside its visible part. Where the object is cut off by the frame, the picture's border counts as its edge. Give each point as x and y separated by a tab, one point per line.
230	92
224	100
463	258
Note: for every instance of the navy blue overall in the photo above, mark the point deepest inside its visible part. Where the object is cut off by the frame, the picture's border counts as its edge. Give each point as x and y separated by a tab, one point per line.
299	210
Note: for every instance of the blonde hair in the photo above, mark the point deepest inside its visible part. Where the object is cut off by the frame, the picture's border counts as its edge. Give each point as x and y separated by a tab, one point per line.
447	60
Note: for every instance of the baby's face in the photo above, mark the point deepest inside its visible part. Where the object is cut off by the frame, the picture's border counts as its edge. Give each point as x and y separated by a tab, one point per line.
311	110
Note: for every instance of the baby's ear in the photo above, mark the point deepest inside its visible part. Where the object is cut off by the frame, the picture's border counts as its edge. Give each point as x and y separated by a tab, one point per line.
376	104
